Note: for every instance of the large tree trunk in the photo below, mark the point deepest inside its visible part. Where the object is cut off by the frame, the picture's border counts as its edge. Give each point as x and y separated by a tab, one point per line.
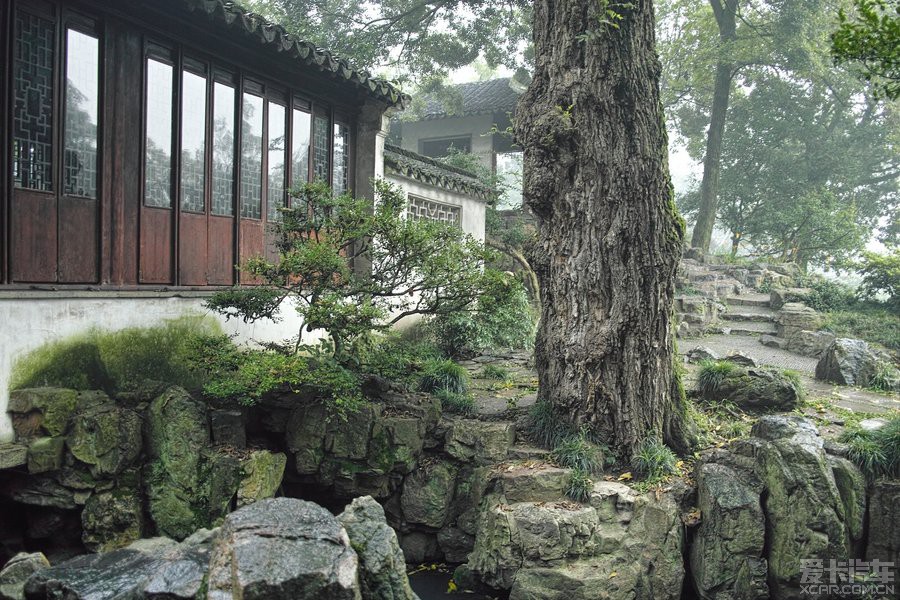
725	12
609	237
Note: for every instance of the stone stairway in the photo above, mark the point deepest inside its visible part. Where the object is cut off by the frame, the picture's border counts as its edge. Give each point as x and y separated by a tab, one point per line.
749	315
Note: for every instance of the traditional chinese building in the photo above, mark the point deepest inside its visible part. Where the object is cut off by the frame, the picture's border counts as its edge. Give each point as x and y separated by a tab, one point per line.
146	145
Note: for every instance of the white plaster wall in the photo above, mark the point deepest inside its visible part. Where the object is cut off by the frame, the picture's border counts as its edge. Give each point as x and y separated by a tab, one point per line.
472	210
478	126
27	322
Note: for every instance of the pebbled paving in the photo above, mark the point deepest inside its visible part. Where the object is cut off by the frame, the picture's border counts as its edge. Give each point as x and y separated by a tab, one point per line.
724	345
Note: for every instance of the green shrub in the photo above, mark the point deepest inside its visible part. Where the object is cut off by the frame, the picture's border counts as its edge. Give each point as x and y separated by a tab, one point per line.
494	372
578	452
119	361
868	322
545	425
452	402
580	486
712	374
828	295
877	453
246	375
655	461
398	359
442	374
502	317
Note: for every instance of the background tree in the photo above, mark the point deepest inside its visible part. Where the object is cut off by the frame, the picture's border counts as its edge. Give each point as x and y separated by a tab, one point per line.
706	50
609	236
871	38
808	170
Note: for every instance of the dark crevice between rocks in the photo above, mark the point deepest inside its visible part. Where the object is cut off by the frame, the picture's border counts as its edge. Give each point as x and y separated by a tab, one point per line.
767	539
688	588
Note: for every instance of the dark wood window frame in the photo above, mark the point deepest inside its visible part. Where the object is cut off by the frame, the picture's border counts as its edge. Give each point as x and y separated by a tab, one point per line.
177	55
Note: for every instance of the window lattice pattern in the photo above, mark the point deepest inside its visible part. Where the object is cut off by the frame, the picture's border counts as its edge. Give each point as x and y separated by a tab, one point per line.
158	157
277	154
420	208
320	142
193	142
82	99
223	150
251	157
33	103
341	175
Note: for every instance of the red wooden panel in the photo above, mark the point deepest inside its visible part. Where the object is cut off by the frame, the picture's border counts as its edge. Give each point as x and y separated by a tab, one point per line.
220	254
192	249
252	244
156	246
33	237
79	259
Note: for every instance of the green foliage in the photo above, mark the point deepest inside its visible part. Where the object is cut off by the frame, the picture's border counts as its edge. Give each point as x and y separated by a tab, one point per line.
871	38
502	317
119	361
413	38
397	358
877	453
712	374
872	323
579	453
454	402
443	374
881	275
580	486
655	461
494	372
246	375
886	378
419	267
828	295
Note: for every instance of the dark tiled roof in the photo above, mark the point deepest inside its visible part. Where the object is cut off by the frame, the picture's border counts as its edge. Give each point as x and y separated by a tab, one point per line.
427	170
276	37
478	97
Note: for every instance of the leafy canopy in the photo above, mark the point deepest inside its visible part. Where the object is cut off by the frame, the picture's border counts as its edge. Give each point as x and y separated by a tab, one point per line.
871	38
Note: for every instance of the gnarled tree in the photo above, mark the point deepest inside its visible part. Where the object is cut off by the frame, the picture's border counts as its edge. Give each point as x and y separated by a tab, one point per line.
609	237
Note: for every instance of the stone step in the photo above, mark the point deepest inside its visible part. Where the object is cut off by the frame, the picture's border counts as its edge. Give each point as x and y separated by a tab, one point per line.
13	455
749	300
751	329
528	453
754	317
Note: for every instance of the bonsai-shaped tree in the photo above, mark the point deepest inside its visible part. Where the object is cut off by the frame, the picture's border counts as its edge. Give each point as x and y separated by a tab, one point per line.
353	266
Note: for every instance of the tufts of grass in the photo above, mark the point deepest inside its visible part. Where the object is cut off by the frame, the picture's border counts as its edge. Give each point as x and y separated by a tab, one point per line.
580	486
713	374
444	375
453	402
494	372
655	461
886	378
877	453
579	453
546	426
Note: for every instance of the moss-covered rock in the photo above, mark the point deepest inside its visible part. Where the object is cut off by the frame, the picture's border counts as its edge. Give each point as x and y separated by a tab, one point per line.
755	389
428	494
103	434
41	411
349	437
483	442
262	472
177	432
45	454
112	519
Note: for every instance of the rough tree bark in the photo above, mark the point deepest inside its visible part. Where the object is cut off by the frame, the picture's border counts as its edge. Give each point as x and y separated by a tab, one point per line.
609	237
726	13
